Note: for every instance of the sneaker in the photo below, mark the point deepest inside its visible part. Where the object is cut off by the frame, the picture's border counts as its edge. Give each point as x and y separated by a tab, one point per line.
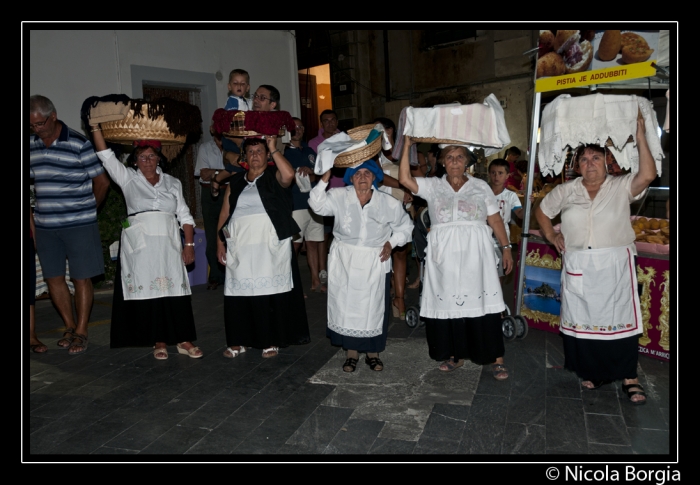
323	276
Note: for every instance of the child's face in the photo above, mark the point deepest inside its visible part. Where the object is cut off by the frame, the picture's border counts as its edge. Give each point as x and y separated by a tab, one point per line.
239	85
498	176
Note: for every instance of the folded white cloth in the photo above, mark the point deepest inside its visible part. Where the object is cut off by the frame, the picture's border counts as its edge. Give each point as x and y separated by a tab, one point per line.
475	125
303	182
569	122
339	143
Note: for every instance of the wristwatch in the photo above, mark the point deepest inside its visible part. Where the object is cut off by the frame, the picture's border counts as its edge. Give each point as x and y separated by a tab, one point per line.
216	172
507	246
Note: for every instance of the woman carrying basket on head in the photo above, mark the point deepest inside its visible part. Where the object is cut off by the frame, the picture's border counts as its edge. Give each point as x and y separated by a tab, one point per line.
152	305
368	225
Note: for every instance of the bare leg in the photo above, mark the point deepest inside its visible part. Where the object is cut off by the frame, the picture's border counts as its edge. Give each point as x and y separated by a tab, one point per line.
312	257
60	297
399	263
37	346
83	305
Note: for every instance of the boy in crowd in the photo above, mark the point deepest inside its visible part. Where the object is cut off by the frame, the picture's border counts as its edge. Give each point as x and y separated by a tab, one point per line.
238	99
507	201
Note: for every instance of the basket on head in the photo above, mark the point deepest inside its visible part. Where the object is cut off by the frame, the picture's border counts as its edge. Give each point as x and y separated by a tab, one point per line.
439	141
131	128
360	133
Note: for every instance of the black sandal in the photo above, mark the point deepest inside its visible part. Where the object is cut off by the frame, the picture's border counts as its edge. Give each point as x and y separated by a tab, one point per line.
374	363
626	388
596	385
350	365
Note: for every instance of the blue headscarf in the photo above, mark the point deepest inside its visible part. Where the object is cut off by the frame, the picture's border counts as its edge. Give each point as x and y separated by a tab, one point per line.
370	165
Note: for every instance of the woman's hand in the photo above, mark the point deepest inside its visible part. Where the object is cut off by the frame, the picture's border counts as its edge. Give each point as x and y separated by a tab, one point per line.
507	260
557	241
188	255
271	141
386	252
221	253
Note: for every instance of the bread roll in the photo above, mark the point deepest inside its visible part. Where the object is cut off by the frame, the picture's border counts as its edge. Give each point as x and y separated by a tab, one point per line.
610	45
635	53
585	62
551	64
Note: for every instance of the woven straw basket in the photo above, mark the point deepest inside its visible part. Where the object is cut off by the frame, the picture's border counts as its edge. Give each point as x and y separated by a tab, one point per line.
126	130
440	141
361	154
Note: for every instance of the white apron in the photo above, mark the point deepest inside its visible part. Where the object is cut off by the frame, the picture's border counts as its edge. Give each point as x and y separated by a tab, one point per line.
257	262
356	279
599	294
461	275
151	257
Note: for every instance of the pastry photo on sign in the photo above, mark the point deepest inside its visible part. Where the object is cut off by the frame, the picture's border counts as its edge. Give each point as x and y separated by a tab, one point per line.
614	48
564	52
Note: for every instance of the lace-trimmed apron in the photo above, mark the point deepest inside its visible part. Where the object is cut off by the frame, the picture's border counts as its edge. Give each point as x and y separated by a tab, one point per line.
257	262
461	275
151	257
356	279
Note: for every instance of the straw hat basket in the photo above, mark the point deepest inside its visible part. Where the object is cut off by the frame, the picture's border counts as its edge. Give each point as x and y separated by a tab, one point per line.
131	128
359	155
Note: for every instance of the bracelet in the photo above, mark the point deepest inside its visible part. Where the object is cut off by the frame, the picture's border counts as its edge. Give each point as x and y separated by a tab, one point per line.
507	246
189	244
96	129
274	152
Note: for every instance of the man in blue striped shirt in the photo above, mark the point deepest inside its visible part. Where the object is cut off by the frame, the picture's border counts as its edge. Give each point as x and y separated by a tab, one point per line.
69	184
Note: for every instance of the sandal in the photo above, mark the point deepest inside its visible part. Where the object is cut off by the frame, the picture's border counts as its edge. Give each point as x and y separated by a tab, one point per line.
635	389
192	352
350	365
160	353
67	340
374	363
231	353
596	385
500	372
78	341
271	352
450	365
38	348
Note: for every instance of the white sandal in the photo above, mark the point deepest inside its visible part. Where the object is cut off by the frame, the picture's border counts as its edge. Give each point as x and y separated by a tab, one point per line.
270	350
231	353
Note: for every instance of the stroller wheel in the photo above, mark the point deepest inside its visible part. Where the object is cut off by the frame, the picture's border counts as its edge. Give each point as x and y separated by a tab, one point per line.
412	316
509	329
521	327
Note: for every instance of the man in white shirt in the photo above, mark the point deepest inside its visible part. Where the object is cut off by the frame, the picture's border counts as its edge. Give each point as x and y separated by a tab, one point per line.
210	160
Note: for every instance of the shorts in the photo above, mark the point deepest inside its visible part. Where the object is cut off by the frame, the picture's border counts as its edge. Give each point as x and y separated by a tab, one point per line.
80	245
311	225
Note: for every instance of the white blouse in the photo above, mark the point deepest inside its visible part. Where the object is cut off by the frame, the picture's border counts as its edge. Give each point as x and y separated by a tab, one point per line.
474	201
603	222
382	219
140	195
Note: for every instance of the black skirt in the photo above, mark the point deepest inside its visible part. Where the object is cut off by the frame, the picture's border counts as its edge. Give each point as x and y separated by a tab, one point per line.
602	360
142	323
268	320
366	344
479	339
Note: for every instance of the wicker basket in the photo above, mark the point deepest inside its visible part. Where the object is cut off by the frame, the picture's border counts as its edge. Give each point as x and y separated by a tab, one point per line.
249	133
440	141
362	154
129	129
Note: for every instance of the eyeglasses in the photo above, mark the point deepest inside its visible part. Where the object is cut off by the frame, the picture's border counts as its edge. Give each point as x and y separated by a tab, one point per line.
34	126
298	127
143	158
261	97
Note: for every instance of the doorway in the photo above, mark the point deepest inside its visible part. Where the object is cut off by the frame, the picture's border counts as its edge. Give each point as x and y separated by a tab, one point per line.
182	167
315	93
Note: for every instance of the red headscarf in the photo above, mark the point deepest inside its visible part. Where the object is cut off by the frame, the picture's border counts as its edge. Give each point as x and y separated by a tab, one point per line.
155	144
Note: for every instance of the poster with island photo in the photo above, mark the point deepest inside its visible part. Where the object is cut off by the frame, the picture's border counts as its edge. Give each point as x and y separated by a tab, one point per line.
571	58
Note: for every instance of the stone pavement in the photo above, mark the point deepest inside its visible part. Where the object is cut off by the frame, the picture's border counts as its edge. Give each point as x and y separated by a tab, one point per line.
124	402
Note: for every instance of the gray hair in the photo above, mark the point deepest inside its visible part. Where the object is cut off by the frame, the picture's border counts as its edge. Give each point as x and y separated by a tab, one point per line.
42	105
